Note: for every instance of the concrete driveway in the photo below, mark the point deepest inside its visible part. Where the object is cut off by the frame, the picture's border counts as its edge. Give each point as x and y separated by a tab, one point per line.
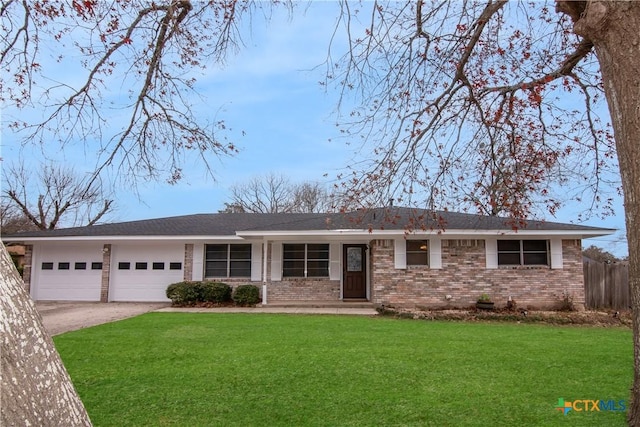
61	317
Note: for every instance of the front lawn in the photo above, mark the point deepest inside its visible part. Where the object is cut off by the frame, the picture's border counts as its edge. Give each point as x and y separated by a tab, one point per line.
179	369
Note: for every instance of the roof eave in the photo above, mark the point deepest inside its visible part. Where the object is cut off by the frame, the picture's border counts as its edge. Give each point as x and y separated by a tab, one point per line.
577	234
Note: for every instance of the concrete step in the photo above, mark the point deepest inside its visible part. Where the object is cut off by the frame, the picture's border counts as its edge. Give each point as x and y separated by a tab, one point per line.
322	304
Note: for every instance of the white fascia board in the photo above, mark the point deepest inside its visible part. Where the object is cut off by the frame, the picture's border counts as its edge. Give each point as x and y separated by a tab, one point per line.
457	233
330	234
127	239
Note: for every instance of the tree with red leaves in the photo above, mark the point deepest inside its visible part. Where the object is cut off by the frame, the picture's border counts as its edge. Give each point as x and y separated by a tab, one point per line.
493	105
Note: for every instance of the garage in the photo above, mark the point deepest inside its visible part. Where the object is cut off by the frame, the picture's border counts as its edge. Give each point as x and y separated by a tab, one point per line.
142	271
67	273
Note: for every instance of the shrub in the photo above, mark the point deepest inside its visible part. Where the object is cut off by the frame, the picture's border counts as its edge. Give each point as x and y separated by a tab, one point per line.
566	303
183	293
214	292
246	295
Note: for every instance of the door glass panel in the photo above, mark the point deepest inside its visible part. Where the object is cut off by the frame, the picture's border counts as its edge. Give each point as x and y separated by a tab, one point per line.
354	259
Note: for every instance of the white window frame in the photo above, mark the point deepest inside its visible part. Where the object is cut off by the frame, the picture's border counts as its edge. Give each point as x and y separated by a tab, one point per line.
306	260
228	260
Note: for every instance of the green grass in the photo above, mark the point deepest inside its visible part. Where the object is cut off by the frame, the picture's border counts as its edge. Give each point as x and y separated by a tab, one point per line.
242	369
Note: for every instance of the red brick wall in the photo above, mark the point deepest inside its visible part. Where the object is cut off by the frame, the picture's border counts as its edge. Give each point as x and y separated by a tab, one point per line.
464	277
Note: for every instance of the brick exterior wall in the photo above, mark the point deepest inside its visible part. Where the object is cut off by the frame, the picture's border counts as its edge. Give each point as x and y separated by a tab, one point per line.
464	277
304	290
292	289
188	262
106	273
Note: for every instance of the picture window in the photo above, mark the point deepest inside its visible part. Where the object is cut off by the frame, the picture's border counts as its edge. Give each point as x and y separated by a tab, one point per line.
228	260
305	260
523	252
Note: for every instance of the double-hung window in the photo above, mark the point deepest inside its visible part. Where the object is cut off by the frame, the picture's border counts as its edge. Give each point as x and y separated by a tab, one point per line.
305	260
523	252
228	260
417	252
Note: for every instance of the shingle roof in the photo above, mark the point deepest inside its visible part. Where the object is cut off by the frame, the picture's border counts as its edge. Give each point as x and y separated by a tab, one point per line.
227	224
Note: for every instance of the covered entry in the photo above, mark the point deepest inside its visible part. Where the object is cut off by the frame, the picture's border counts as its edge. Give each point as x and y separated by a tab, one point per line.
354	271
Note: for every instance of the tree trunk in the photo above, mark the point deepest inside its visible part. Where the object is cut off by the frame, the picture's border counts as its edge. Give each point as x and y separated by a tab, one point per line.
613	29
36	389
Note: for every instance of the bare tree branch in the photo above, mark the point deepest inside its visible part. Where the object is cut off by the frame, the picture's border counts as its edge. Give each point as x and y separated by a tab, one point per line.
58	197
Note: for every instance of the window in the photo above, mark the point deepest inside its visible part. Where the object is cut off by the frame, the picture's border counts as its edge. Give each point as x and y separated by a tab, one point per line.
80	266
523	252
124	266
63	265
417	252
228	260
96	266
158	266
175	266
47	266
305	260
141	265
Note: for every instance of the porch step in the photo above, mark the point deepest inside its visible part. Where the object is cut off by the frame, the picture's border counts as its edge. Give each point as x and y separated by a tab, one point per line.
322	304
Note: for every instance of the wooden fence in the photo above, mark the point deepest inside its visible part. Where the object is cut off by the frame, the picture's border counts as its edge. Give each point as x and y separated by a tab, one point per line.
606	285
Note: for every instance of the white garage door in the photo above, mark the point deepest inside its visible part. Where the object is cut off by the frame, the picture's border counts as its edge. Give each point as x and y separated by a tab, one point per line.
142	272
64	272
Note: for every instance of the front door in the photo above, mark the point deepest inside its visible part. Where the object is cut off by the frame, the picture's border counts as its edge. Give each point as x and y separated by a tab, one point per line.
354	271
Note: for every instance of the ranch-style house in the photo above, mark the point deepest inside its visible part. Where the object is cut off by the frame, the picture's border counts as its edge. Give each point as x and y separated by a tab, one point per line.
393	256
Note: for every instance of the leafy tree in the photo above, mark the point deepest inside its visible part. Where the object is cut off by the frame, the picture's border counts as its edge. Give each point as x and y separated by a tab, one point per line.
54	195
598	254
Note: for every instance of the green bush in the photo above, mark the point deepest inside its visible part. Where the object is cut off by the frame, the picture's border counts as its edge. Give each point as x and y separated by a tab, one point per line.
214	292
246	295
183	293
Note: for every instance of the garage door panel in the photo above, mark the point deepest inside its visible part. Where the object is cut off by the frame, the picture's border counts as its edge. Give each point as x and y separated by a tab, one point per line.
67	272
143	272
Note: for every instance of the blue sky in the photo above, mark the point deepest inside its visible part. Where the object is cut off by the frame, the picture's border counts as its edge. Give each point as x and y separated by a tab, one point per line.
281	119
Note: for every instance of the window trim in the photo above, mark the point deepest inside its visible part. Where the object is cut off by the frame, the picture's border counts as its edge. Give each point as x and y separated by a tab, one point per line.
229	261
522	253
306	261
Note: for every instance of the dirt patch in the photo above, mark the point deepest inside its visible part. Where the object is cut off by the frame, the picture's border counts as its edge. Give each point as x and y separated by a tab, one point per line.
60	317
593	318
